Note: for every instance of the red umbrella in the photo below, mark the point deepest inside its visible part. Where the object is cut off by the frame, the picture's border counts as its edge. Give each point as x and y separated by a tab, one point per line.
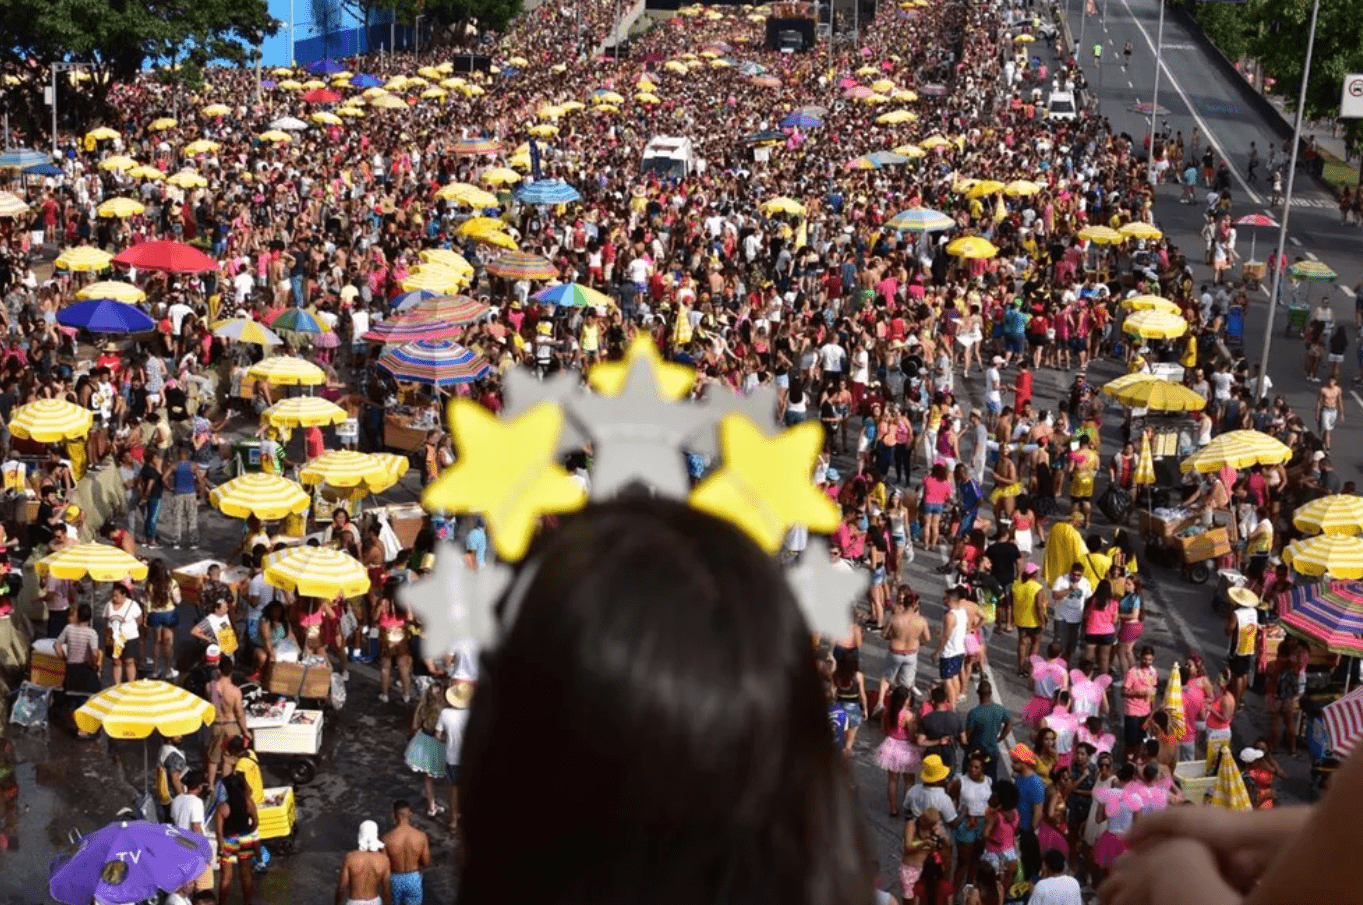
322	96
174	257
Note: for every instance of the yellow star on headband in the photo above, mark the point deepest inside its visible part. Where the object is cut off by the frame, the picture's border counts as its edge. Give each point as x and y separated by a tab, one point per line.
506	472
766	484
674	380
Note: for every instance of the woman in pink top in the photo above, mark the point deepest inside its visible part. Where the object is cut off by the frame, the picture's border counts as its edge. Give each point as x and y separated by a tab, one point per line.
1000	829
1138	694
937	489
1048	676
897	755
1196	688
1100	626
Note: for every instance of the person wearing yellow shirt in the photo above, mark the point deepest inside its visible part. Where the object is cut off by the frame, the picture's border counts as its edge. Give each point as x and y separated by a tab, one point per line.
591	338
1259	544
1029	613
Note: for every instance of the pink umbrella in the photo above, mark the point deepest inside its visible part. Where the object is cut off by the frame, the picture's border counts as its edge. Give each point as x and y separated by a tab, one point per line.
847	82
1255	220
858	92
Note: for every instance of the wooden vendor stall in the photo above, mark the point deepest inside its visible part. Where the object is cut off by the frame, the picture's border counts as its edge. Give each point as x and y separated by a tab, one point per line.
401	433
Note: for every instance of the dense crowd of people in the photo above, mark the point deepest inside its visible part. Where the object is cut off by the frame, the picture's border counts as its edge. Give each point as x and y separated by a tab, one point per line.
918	362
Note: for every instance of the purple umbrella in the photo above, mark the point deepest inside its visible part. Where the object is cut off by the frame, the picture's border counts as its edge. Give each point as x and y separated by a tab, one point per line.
933	89
127	861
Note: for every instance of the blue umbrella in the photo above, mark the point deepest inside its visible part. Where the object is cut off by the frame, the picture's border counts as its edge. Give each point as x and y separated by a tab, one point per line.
798	120
105	316
129	861
18	158
43	169
269	83
408	299
886	158
547	191
325	67
365	80
766	135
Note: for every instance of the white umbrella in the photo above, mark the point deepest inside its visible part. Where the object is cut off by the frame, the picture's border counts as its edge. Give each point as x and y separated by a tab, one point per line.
289	124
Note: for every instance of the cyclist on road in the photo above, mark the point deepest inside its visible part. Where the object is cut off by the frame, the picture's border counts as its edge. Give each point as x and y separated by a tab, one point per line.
1126	55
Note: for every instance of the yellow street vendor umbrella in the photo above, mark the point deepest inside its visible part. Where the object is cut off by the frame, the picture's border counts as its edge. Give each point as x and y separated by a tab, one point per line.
388	102
934	141
971	247
1229	791
647	97
137	709
201	146
1339	513
304	411
474	226
100	562
543	130
290	84
434	279
161	124
447	258
275	135
1101	235
142	171
1155	325
1116	385
112	289
266	496
119	207
985	187
1237	449
1140	231
894	117
1340	555
499	176
316	572
287	370
325	118
83	259
396	465
347	468
782	205
119	162
187	179
1151	303
51	421
101	133
216	110
1021	188
1173	702
607	97
497	240
470	195
1161	396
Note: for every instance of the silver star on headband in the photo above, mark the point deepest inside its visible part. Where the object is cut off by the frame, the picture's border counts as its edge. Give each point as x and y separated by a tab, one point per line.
826	590
455	603
525	390
637	435
759	407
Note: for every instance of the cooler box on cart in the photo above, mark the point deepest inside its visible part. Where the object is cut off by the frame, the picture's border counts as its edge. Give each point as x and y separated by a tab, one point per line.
302	734
277	814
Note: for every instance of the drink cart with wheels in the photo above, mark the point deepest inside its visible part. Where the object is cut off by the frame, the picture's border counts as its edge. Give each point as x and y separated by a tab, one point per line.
285	736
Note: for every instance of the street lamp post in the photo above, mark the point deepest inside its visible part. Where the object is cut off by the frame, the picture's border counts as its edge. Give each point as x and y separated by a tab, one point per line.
59	67
1154	101
1278	266
417	37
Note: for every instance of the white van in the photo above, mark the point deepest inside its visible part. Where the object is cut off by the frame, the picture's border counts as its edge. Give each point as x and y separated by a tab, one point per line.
1061	106
668	156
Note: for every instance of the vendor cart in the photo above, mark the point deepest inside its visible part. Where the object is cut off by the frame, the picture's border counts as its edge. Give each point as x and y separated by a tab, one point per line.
1200	552
277	820
285	734
1252	273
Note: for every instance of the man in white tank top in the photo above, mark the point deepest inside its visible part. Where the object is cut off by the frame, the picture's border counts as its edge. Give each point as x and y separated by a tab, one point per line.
951	644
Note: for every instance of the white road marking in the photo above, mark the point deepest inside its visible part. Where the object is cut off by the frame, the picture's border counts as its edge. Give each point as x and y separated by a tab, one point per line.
1357	398
1294	240
1312	256
1130	84
1173	83
1346	290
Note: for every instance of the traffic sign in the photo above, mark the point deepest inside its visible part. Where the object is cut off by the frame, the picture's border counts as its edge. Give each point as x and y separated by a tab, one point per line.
1351	104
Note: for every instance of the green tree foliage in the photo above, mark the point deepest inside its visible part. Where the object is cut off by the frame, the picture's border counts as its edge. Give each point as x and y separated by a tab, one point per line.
1229	25
119	37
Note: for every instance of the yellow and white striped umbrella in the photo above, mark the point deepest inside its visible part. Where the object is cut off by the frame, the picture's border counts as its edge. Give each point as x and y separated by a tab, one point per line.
112	289
11	205
304	411
1339	513
435	279
1173	702
1145	463
83	259
119	162
120	207
1101	235
1161	396
245	330
316	572
51	421
1340	555
203	145
1151	303
347	468
287	370
447	258
137	709
1140	230
1155	325
187	179
1230	792
266	496
1238	449
397	465
101	562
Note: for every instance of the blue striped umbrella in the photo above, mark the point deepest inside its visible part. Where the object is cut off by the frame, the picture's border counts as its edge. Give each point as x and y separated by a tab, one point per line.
18	158
920	220
547	191
440	363
1331	614
299	320
799	120
406	300
106	316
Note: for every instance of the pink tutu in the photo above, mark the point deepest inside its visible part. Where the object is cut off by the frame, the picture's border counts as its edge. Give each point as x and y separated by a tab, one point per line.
1037	709
1048	837
897	755
1130	631
1109	848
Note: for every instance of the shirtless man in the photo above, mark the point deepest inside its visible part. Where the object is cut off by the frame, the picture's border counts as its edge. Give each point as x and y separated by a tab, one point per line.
905	632
229	717
1329	409
408	852
365	872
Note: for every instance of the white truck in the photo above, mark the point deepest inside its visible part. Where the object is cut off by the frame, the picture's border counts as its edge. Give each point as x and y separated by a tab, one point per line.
670	156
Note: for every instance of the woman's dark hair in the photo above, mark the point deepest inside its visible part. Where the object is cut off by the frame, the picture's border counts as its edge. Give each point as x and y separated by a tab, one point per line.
1102	595
665	655
273	612
1150	772
1126	772
1006	791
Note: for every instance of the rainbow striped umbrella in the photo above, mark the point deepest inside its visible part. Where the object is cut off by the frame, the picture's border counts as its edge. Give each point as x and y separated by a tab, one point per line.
520	265
919	220
299	320
442	363
477	146
573	295
409	328
1330	613
460	310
